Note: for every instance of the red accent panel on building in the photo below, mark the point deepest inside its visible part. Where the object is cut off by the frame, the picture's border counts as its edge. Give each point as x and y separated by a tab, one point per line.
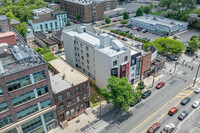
121	71
127	70
8	37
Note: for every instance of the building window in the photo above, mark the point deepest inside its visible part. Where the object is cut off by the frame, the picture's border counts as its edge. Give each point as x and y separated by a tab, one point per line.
84	86
77	108
87	55
78	98
133	68
20	99
77	89
81	45
61	107
5	121
87	49
28	111
149	59
132	75
125	58
145	66
132	61
69	103
48	116
82	107
88	61
68	94
18	83
82	57
41	27
72	111
34	123
39	76
146	59
62	118
88	67
85	95
81	51
56	25
74	42
46	26
59	97
45	103
6	28
1	92
3	106
115	63
42	90
67	114
51	25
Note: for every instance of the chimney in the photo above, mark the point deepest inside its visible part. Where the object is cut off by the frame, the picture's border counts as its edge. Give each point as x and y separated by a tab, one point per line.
63	77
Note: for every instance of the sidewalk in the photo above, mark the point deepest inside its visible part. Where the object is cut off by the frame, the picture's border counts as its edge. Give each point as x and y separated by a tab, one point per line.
85	120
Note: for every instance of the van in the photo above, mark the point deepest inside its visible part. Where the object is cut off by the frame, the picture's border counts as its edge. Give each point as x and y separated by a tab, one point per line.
173	111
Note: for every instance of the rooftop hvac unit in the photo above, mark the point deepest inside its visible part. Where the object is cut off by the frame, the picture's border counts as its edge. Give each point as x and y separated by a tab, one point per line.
16	49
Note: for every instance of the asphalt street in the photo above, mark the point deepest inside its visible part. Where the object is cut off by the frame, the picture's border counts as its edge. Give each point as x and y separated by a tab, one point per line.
155	108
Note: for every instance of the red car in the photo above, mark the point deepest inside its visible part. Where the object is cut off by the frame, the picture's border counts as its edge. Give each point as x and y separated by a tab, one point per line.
119	37
114	21
173	111
160	85
154	128
137	28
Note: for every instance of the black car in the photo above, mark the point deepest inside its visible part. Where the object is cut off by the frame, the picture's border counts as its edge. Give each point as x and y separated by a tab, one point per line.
185	100
182	115
114	35
133	104
146	94
124	39
126	31
103	23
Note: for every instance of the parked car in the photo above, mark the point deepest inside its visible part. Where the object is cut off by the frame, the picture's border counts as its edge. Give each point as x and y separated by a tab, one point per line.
144	30
104	32
137	28
197	90
168	128
124	39
185	100
147	39
146	94
111	16
114	21
93	23
183	115
137	36
115	15
126	31
154	128
173	57
58	52
133	104
114	35
130	34
173	111
196	103
103	23
160	85
119	19
119	37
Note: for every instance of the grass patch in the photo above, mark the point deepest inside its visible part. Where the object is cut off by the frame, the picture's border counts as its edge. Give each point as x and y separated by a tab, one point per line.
108	25
94	93
157	13
94	100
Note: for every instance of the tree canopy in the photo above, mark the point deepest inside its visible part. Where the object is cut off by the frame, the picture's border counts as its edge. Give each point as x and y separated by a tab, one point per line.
107	20
124	21
119	93
22	29
125	15
168	46
193	45
147	10
139	12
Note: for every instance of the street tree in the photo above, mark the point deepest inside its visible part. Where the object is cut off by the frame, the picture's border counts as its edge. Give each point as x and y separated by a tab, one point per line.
168	46
151	5
119	92
107	20
6	2
78	17
20	3
193	37
22	29
10	15
188	3
125	15
174	6
193	45
140	86
166	3
118	13
147	10
139	12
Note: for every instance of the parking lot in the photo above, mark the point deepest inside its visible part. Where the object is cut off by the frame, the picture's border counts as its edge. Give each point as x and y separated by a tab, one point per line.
185	36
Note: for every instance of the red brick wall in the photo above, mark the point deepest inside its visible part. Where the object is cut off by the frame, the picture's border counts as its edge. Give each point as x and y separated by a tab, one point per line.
10	39
146	61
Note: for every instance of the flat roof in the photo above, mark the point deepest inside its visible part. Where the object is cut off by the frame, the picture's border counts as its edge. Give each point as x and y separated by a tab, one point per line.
43	20
72	76
85	37
81	2
153	19
58	84
134	52
19	57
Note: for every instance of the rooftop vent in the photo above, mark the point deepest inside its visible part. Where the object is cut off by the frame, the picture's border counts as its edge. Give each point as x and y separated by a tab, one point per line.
16	49
154	18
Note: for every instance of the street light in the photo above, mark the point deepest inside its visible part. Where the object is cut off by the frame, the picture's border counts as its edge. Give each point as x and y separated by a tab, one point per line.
100	105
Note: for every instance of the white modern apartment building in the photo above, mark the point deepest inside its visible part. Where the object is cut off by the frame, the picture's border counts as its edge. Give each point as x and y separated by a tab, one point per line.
97	56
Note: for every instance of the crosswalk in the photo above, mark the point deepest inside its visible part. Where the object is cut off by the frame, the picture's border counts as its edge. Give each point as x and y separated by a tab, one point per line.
197	80
185	74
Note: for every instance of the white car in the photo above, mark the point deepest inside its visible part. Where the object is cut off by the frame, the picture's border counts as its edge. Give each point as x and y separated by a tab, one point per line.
197	90
196	103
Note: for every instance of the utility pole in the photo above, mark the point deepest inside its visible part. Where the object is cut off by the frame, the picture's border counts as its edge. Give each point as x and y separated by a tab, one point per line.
196	75
154	77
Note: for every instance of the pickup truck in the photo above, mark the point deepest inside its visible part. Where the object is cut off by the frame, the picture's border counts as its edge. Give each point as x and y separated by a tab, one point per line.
168	128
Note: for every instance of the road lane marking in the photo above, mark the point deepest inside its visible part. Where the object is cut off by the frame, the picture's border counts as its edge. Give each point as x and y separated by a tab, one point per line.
163	116
156	111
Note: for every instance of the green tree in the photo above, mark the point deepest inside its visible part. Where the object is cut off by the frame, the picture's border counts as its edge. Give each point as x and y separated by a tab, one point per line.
166	3
6	2
193	37
125	15
119	92
188	3
57	1
22	29
10	15
168	46
140	86
147	10
193	45
40	3
155	6
174	6
118	13
139	12
124	21
78	17
107	20
147	46
151	5
20	3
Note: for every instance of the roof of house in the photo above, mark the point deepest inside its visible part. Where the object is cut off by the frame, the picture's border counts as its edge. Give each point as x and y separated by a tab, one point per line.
72	76
58	84
3	17
14	21
40	35
6	34
43	20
